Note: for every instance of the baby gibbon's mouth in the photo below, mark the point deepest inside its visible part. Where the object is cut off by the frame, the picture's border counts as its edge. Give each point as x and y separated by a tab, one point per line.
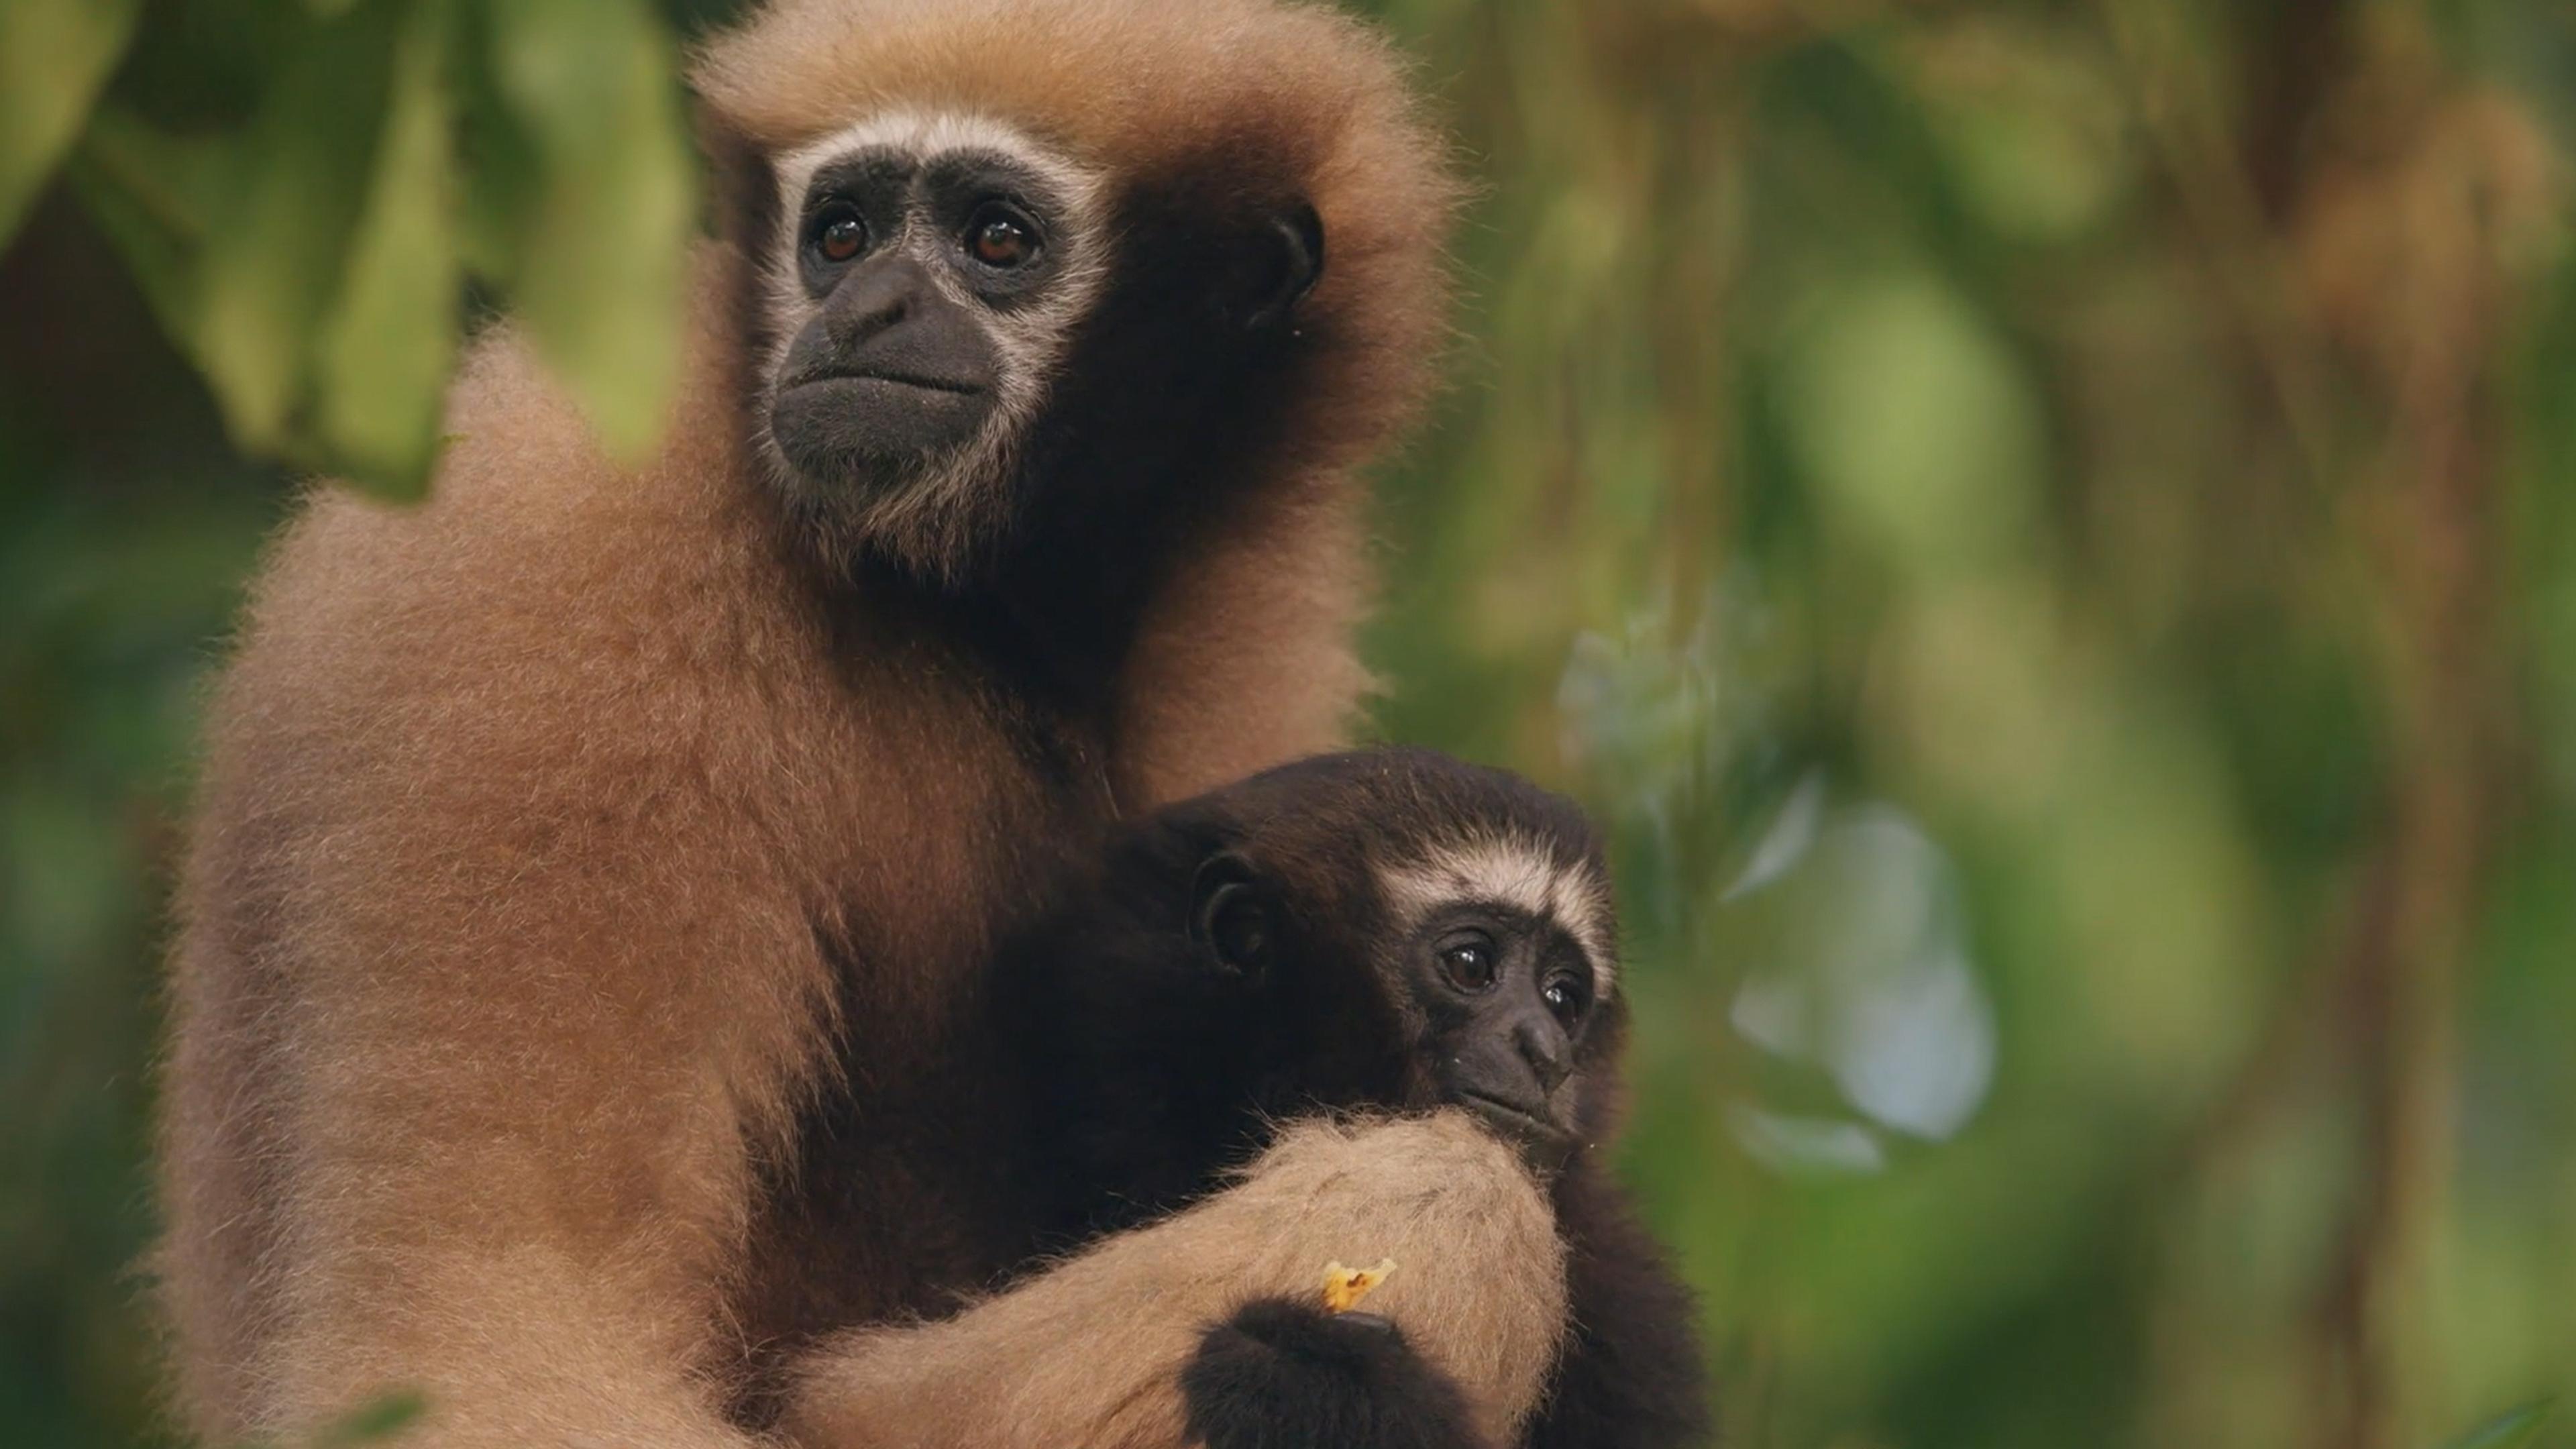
1538	1135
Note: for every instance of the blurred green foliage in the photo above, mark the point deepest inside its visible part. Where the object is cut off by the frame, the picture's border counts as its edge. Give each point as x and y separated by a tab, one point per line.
2506	1431
2047	530
301	193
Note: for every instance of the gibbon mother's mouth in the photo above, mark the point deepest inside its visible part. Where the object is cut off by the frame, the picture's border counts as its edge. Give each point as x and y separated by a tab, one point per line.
898	379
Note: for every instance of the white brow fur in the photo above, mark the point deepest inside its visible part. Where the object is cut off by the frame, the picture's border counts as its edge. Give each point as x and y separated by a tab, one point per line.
1521	874
931	515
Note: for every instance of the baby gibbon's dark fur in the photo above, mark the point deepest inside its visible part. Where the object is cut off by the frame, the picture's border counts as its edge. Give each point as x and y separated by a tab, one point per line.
1281	948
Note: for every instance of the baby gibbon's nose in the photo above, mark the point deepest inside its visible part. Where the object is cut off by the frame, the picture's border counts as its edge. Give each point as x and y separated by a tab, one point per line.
1544	1047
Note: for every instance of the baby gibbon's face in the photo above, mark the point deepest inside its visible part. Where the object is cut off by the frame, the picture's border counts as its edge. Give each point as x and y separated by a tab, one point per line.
1490	954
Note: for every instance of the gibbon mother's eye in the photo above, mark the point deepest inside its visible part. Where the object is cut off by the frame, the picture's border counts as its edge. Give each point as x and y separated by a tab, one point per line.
1469	964
998	237
839	234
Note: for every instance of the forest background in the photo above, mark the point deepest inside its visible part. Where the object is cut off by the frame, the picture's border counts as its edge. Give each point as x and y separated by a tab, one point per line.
2047	528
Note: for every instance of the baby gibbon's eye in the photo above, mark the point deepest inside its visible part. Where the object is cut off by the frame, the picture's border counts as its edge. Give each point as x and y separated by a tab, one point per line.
1469	964
1566	997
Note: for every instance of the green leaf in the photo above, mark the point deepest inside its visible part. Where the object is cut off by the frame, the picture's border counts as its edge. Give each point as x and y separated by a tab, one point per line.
603	263
381	1419
276	252
503	181
151	193
54	56
2508	1431
387	347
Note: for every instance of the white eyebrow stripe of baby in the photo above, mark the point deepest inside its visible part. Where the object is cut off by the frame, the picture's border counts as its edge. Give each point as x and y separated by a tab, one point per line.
1514	873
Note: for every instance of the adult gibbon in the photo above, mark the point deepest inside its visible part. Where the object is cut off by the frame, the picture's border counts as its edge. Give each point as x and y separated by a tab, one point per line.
1388	930
576	851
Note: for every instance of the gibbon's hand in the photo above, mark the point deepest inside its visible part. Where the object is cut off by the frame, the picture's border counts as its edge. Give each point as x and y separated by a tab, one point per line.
1094	1352
1282	1374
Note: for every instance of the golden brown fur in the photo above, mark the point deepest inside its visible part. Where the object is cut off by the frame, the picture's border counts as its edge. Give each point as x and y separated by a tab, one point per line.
554	835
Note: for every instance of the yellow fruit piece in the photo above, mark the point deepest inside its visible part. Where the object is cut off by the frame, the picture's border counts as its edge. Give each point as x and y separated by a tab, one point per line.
1345	1287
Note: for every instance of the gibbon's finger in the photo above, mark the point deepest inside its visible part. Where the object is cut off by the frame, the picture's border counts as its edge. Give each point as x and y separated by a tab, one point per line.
1092	1351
